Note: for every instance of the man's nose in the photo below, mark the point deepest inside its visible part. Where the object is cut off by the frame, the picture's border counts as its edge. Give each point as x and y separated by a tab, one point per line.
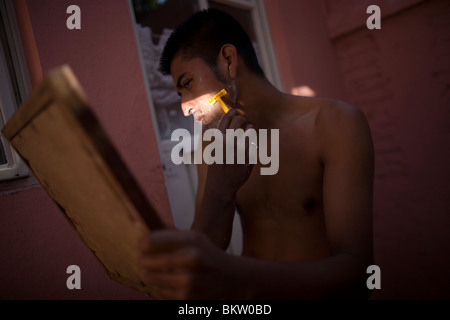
185	107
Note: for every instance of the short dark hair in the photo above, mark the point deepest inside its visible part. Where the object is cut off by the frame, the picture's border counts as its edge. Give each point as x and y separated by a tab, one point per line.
203	35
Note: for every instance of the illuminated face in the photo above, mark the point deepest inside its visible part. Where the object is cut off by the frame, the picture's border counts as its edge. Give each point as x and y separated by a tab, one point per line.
196	83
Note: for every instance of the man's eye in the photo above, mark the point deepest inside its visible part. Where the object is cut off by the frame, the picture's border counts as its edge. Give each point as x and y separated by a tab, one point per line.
187	84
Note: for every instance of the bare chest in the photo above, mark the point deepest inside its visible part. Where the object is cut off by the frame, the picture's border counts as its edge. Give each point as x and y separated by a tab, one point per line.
295	189
282	215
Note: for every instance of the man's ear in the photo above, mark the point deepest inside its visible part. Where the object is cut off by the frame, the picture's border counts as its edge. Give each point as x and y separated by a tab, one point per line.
228	61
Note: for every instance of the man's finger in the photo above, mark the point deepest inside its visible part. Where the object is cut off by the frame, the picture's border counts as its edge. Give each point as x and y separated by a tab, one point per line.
237	122
166	240
226	120
173	261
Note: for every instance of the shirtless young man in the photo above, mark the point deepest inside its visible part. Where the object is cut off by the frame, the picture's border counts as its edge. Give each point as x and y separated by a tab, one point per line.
307	230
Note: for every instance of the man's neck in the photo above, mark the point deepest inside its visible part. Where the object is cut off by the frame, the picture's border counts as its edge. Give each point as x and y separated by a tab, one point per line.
261	101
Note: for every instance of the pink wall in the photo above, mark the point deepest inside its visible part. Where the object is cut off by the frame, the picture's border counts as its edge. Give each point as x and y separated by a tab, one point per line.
400	77
304	53
37	243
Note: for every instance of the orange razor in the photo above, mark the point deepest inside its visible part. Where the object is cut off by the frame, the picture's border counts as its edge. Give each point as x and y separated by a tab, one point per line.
218	98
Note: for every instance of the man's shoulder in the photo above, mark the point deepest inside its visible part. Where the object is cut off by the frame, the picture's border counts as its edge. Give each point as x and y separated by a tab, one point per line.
332	110
342	125
327	110
338	115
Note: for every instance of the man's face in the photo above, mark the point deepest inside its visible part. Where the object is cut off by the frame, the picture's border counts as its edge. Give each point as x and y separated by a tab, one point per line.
196	83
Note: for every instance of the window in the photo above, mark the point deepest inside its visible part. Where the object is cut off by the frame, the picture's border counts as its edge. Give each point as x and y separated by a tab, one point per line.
14	87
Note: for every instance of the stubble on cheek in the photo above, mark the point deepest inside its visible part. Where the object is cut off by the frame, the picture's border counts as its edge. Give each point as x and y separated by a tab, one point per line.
212	117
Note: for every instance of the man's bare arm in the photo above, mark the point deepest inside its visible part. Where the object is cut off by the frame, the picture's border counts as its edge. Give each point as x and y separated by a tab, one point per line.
348	181
217	188
214	210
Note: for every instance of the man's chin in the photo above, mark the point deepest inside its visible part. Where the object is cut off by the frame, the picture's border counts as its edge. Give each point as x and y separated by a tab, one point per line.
208	124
